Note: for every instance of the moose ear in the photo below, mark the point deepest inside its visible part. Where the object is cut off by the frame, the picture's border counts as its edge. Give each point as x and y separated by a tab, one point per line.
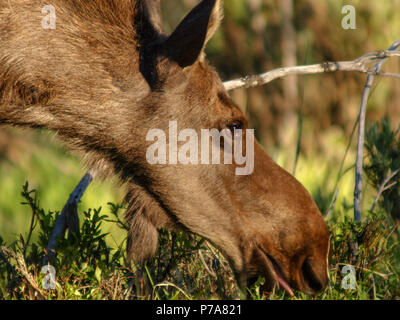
148	19
187	42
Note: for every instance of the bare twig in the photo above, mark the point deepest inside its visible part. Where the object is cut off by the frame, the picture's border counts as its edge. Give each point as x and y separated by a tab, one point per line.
384	186
23	269
212	273
69	215
361	130
388	74
332	206
383	275
359	65
170	284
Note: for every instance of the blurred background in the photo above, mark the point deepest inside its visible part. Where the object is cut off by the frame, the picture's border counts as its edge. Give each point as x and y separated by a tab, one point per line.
304	123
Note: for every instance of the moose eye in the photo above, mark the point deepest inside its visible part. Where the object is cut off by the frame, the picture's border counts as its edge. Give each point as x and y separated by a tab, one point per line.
236	125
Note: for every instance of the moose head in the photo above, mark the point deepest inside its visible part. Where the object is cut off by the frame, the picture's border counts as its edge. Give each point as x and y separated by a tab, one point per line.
107	76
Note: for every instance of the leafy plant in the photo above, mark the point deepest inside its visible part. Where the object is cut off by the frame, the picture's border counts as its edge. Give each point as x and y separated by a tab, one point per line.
383	170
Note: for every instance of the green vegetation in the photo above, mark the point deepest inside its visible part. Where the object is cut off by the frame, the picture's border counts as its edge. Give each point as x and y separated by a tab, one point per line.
37	157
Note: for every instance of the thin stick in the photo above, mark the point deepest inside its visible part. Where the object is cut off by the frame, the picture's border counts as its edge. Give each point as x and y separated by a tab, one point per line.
64	219
23	269
384	187
332	206
361	131
359	65
212	273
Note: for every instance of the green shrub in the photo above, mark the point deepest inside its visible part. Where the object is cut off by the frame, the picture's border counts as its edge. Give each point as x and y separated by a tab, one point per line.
185	266
383	169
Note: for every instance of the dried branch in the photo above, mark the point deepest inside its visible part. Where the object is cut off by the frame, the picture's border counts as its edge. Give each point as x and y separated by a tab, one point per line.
23	269
212	273
384	186
361	130
359	65
332	206
69	215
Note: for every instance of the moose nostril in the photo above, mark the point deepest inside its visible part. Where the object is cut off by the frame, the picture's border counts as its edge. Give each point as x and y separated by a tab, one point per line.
310	277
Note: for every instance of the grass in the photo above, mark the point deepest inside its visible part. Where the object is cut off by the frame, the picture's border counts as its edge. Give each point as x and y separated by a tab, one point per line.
185	266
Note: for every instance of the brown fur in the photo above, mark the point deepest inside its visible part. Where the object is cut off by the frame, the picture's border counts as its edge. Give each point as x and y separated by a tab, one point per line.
106	76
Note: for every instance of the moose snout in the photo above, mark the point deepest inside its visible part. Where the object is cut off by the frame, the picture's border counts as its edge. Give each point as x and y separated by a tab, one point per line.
298	262
304	269
310	276
313	276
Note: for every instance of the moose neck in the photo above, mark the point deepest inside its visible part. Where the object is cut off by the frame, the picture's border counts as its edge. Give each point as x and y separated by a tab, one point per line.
71	80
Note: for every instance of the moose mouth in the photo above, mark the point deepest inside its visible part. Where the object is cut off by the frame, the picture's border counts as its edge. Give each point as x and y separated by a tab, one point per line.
275	271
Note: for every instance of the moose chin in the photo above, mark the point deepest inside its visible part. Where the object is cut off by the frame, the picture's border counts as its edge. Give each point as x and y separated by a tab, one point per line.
104	77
